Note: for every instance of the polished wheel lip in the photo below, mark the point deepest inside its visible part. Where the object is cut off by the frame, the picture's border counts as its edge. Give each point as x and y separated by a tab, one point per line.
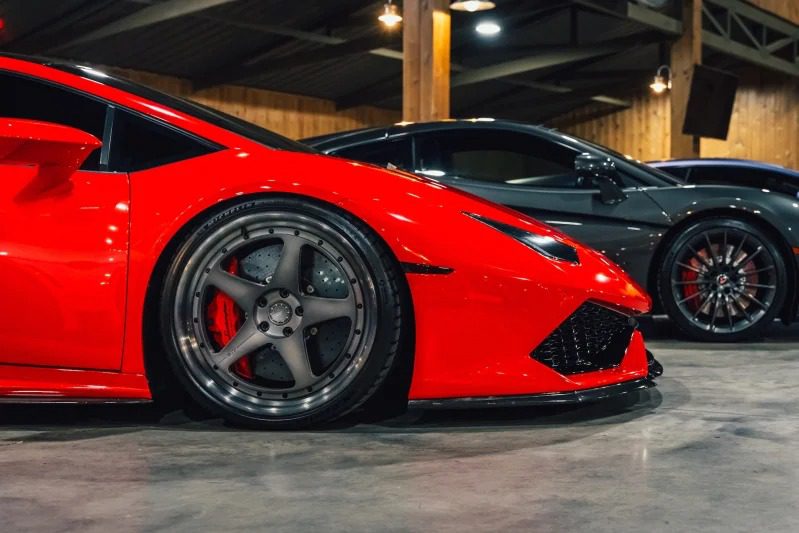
728	302
193	341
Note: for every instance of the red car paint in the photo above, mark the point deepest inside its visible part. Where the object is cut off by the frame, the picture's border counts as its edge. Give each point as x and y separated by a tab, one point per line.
72	315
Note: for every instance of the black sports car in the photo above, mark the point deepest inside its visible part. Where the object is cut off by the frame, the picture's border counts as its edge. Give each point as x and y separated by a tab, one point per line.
720	260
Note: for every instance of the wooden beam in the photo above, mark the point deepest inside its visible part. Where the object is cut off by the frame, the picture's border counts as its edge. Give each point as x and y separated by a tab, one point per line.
532	63
426	60
319	54
147	16
685	53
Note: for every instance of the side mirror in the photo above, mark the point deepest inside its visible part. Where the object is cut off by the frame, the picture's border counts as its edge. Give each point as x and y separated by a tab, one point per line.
50	153
600	172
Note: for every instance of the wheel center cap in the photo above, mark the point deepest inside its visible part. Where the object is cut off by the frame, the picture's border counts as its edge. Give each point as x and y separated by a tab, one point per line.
279	313
722	279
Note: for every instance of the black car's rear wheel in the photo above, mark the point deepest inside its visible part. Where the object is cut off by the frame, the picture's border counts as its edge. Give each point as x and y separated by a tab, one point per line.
722	280
281	313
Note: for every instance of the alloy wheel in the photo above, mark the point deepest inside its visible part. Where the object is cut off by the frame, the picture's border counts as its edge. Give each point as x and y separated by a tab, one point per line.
275	313
724	280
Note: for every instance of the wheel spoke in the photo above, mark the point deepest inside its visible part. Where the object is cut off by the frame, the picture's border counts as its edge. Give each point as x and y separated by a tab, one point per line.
316	310
742	309
689	267
701	259
295	355
759	270
747	258
728	311
691	297
244	342
760	286
243	292
738	250
724	258
715	311
287	273
755	300
710	250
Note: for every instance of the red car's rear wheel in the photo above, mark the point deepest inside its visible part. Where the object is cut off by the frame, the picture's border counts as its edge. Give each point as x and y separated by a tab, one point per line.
282	313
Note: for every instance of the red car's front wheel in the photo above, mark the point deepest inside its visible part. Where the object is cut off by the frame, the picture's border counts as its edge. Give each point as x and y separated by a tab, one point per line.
281	312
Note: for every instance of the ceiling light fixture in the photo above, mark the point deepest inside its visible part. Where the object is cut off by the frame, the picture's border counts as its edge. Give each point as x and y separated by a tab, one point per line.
662	80
390	16
488	28
472	5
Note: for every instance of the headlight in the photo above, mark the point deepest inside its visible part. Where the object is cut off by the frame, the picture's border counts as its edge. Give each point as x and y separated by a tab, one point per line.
544	245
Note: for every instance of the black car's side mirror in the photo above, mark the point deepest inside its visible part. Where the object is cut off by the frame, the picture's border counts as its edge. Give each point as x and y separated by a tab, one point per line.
600	172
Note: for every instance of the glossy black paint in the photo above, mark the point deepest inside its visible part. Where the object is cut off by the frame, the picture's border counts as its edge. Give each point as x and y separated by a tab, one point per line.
717	171
632	232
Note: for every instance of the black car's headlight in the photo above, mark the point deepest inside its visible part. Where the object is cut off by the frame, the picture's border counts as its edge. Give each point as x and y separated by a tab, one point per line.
544	245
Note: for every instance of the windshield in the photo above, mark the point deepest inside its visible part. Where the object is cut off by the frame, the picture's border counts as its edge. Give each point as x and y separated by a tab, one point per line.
207	114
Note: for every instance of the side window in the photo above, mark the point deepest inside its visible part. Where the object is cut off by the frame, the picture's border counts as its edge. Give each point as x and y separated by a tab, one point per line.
677	172
138	144
381	153
31	99
496	156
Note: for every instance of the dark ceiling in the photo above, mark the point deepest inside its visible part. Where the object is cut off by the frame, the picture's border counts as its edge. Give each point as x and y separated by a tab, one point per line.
550	57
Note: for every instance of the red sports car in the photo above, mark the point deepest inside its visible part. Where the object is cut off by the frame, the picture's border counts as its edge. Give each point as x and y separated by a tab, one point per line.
281	286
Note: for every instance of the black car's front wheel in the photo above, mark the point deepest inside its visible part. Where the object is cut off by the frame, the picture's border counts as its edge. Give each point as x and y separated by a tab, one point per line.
281	313
722	280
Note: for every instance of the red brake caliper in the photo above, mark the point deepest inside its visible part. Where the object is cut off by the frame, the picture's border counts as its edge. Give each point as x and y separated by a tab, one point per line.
224	320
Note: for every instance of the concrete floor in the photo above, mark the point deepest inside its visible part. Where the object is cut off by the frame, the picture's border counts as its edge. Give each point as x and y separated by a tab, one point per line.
714	447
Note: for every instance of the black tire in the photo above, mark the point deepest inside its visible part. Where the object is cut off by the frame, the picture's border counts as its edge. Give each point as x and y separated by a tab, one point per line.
722	280
278	391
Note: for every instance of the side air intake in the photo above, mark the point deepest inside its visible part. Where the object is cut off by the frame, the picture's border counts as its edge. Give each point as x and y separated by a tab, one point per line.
592	338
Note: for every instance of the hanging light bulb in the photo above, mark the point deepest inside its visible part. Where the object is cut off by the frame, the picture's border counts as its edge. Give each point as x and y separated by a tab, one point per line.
488	28
390	16
662	80
472	5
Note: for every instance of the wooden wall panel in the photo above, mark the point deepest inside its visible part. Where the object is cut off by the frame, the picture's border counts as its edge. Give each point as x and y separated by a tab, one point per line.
290	115
764	125
787	9
642	131
765	121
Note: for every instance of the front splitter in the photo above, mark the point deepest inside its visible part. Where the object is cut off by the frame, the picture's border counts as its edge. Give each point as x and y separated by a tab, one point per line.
554	398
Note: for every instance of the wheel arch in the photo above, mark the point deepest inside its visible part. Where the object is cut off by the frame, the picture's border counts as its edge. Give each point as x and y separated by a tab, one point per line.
787	312
159	373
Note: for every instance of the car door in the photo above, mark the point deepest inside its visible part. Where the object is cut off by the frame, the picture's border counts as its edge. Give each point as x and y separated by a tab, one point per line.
63	244
536	176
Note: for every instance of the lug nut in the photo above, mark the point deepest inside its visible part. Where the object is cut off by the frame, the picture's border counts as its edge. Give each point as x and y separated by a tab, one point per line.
314	331
299	311
284	293
287	332
261	302
263	326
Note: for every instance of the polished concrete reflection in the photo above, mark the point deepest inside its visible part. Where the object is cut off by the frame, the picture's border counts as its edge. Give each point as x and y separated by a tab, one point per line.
714	447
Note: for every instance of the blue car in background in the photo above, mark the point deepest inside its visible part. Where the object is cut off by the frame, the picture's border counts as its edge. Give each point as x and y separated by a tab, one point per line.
739	172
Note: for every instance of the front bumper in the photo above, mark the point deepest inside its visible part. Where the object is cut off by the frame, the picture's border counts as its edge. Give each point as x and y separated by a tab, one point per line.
555	398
